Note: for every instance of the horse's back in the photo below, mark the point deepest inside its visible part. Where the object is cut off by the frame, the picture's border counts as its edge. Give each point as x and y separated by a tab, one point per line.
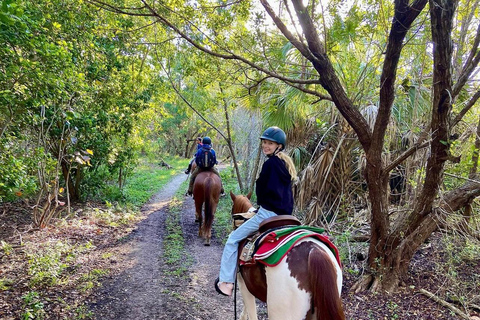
291	284
206	193
207	183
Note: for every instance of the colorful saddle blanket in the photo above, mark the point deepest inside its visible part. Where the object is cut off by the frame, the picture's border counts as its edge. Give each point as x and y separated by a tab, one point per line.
271	246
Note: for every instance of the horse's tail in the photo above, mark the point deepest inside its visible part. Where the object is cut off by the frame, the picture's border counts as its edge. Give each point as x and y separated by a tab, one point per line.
323	281
209	204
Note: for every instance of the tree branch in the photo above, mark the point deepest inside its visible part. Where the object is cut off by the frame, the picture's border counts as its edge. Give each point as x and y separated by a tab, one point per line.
404	156
469	66
465	109
444	303
114	9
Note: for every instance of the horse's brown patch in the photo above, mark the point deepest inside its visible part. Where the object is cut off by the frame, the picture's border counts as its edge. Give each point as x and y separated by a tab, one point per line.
298	266
255	280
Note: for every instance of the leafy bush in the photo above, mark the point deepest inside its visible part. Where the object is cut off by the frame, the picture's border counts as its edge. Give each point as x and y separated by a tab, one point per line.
16	177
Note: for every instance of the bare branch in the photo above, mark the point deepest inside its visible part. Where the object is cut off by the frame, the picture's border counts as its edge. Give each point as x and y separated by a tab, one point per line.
469	66
127	11
283	28
465	109
404	156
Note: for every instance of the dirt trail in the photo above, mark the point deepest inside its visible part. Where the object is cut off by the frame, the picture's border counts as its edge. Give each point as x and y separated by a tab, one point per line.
143	291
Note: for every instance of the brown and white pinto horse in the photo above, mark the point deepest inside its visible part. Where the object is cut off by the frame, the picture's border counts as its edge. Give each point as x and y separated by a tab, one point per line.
306	284
206	193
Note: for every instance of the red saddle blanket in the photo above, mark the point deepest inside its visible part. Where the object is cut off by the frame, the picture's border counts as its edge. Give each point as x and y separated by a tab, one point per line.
272	246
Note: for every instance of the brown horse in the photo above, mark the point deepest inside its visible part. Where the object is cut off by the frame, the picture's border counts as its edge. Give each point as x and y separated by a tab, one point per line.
206	193
306	284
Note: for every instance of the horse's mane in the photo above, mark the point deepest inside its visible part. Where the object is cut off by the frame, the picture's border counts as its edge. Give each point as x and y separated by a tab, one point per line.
241	204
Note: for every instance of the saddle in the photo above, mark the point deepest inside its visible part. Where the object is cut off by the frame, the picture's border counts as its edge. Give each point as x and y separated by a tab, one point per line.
276	237
250	244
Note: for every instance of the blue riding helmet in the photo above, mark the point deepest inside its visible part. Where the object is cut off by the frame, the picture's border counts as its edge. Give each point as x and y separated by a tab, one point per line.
275	134
206	140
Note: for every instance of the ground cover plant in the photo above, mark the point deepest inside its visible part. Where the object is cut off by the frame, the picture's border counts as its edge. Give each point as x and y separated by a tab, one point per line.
49	273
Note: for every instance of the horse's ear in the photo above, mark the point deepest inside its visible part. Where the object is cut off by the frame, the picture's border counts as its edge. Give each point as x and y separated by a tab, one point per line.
249	195
232	195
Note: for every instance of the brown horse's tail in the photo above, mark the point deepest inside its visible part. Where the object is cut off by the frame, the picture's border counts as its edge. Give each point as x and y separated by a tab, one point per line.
209	204
323	281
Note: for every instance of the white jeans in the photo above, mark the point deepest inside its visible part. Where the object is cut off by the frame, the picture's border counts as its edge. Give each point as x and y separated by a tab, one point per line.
230	252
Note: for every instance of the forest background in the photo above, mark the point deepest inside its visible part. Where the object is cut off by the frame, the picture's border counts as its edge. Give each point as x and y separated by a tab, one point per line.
378	100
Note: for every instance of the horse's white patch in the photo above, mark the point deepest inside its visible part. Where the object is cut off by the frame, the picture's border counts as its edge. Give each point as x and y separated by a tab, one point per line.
285	299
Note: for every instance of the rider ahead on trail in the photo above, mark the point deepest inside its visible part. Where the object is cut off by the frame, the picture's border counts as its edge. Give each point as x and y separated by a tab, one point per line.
206	159
274	196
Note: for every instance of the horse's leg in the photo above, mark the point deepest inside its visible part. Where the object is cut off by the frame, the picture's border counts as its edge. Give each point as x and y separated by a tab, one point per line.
284	298
249	305
198	214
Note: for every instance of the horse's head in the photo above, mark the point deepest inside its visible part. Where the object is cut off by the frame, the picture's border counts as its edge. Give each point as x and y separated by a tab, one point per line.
241	203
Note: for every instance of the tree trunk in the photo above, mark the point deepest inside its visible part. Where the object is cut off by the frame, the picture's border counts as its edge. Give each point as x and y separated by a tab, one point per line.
229	138
72	189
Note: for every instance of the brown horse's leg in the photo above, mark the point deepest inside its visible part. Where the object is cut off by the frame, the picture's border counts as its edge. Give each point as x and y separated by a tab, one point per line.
198	215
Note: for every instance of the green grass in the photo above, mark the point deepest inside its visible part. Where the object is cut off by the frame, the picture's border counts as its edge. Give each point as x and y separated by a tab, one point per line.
148	178
175	253
222	224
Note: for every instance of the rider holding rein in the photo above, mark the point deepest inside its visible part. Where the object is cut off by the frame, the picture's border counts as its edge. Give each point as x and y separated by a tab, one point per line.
274	196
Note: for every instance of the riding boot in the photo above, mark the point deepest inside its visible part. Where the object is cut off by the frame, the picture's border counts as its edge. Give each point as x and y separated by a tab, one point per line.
189	168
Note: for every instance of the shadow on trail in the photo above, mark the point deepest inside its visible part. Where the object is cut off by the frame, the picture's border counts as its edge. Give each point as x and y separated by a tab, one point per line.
145	288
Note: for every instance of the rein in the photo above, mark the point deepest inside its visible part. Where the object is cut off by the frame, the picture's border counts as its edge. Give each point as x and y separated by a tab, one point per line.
235	299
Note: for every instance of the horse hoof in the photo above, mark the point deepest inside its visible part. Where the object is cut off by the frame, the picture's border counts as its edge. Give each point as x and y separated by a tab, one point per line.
207	243
196	220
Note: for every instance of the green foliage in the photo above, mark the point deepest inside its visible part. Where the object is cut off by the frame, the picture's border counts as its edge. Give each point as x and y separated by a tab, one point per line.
91	279
17	172
47	266
6	247
115	215
83	312
149	177
58	75
6	284
33	306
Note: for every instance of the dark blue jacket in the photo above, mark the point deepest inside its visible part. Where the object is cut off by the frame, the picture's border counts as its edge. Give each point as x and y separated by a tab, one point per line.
206	146
274	187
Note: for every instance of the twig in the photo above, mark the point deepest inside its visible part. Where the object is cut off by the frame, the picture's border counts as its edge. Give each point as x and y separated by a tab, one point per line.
474	306
444	303
459	177
19	235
